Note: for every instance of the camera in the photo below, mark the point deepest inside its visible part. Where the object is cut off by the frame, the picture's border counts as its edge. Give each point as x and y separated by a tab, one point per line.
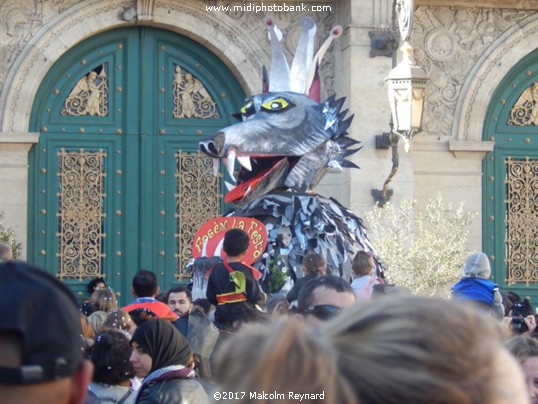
520	310
518	325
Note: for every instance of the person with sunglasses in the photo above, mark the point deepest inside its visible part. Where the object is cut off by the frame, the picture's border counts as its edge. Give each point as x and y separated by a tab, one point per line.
322	298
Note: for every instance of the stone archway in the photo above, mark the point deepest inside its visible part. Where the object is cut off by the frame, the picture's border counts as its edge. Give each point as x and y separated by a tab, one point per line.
509	179
485	77
116	181
216	32
71	25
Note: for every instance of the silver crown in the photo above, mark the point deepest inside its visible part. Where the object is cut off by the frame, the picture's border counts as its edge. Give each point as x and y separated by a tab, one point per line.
305	63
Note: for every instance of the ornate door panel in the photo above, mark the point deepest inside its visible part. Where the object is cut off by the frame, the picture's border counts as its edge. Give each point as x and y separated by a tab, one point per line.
116	181
511	180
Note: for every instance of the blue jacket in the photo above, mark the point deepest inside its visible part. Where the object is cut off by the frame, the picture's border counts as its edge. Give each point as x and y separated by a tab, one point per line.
477	289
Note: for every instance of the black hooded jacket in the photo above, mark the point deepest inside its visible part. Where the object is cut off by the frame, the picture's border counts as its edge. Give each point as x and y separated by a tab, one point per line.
219	283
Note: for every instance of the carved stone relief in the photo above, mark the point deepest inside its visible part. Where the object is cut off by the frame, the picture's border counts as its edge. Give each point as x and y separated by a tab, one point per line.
191	98
448	42
19	21
525	110
89	96
28	18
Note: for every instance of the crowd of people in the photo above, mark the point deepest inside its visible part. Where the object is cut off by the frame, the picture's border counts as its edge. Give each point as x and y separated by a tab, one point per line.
326	340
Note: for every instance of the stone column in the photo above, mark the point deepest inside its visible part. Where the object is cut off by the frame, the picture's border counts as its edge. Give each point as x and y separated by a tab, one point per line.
14	149
363	82
453	168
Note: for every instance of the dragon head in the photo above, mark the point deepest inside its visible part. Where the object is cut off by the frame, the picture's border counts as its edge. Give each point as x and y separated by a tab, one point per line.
285	140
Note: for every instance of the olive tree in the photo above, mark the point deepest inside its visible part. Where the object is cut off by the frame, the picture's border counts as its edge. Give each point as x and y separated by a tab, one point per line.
423	251
7	235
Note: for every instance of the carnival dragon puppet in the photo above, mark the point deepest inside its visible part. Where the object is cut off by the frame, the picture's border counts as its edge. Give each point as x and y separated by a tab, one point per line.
285	143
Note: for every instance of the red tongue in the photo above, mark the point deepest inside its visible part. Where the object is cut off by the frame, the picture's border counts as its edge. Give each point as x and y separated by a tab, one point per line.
240	190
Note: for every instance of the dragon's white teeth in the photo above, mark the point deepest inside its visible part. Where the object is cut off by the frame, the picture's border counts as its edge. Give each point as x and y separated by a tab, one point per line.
216	164
229	186
245	162
230	164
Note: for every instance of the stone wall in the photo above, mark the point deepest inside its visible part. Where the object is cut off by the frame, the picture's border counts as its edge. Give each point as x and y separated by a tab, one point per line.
33	35
467	50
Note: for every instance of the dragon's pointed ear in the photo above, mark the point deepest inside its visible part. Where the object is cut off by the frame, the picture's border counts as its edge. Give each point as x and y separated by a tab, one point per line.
337	103
314	92
350	151
346	142
344	125
348	164
265	80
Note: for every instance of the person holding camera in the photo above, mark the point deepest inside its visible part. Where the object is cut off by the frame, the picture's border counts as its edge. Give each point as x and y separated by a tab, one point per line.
475	286
521	319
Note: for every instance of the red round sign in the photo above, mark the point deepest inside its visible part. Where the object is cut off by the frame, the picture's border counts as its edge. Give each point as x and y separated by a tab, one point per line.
208	239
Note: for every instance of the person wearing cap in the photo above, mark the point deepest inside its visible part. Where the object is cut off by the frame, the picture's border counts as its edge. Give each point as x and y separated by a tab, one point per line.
41	358
322	298
476	287
313	265
163	357
364	282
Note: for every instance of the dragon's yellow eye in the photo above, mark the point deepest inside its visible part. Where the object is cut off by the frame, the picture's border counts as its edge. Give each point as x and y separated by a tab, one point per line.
278	104
246	107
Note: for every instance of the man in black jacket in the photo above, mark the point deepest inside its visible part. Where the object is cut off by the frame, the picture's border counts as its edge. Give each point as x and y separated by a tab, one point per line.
200	332
232	285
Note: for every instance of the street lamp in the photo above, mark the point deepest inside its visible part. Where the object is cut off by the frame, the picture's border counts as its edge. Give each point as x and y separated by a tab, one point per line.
407	89
406	84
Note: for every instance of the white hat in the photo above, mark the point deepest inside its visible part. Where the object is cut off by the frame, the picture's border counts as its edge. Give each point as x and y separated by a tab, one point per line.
477	266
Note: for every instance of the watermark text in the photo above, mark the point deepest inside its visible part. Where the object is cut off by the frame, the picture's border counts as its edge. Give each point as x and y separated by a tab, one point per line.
270	7
267	396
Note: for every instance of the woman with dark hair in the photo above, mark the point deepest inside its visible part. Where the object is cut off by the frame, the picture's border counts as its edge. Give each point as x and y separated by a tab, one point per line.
86	306
162	356
112	370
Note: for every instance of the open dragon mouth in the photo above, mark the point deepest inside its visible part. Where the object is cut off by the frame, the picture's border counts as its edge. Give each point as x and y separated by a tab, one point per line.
257	175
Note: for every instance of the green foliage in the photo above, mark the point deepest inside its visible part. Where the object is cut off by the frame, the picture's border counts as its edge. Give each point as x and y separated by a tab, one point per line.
7	235
423	251
277	277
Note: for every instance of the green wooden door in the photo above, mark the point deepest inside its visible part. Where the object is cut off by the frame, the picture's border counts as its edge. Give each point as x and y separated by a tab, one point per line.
116	180
510	199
